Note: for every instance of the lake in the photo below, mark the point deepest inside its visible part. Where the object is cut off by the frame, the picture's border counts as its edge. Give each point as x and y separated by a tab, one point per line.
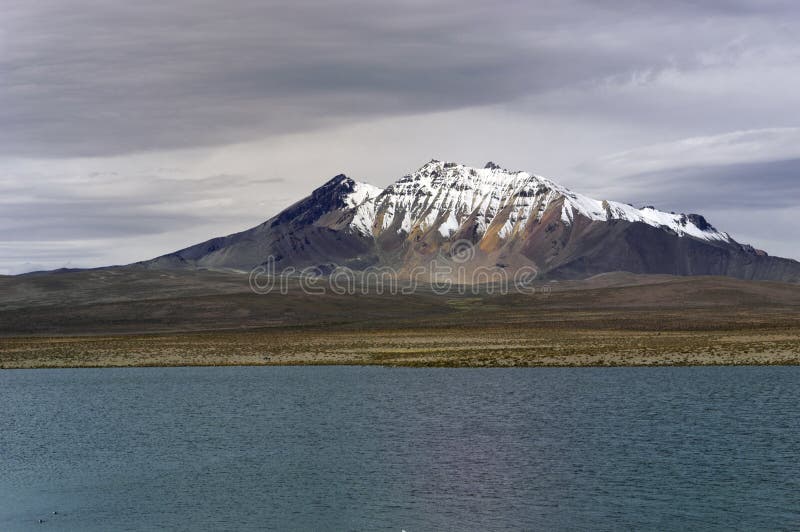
370	448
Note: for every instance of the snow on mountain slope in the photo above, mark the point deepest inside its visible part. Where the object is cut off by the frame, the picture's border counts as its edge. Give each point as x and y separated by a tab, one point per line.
362	200
445	195
682	224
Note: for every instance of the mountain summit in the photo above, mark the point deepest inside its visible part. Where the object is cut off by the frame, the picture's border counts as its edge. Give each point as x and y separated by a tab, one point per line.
511	218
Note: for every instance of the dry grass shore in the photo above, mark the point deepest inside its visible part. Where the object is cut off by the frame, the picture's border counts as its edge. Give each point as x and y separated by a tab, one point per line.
474	346
614	321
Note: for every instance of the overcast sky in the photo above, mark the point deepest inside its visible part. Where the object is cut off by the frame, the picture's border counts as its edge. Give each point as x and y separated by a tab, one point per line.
129	129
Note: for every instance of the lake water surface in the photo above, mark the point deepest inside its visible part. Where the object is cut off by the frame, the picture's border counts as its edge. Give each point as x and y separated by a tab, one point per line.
367	448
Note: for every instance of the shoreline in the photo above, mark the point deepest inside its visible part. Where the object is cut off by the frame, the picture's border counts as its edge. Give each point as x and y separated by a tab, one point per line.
474	347
362	365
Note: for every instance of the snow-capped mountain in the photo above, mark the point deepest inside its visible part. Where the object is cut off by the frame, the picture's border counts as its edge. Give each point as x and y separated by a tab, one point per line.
500	203
511	218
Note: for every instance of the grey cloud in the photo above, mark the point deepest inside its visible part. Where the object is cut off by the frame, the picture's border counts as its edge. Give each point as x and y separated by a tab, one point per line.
750	186
16	259
107	206
70	220
98	78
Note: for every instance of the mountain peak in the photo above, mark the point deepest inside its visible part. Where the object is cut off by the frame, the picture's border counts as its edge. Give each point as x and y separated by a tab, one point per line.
491	165
339	180
351	192
515	219
499	203
339	192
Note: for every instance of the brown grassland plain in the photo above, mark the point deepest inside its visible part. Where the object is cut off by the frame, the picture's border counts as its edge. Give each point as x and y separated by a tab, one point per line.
121	317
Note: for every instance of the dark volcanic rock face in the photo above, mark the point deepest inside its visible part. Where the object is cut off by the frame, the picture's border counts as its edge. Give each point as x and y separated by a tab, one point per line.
510	220
329	197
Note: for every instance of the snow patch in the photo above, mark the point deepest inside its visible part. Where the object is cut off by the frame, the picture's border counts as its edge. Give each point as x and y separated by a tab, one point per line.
449	226
362	199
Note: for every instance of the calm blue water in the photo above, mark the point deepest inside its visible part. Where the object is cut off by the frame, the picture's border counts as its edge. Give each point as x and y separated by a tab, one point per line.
357	448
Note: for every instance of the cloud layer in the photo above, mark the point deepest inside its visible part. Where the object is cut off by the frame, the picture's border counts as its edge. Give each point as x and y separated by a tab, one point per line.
82	77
